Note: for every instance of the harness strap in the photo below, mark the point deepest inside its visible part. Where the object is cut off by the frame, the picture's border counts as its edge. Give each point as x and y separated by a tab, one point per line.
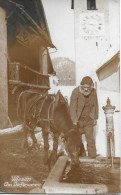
48	117
38	116
41	108
36	100
50	108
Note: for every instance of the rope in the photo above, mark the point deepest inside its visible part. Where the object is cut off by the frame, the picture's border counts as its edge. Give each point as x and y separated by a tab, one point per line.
38	116
49	108
41	108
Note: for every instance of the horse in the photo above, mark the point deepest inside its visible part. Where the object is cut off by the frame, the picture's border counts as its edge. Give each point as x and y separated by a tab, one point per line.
51	113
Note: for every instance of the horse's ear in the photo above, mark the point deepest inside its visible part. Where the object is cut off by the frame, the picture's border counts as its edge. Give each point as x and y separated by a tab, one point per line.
57	97
59	92
62	98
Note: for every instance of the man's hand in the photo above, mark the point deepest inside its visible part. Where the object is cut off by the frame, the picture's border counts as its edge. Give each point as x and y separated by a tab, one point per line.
95	122
75	123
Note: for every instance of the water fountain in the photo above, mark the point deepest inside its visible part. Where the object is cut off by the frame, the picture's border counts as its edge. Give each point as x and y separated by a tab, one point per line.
92	176
56	183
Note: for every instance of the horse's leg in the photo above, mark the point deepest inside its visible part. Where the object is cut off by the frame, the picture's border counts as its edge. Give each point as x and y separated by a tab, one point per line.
25	136
46	145
32	134
55	143
53	156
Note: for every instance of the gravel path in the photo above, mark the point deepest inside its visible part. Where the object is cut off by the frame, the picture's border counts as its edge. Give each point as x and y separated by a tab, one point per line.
15	161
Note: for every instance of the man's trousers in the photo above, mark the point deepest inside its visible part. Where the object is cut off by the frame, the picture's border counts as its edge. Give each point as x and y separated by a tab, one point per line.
87	128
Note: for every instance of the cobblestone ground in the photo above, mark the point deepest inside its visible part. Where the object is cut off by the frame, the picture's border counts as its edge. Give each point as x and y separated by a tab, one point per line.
15	161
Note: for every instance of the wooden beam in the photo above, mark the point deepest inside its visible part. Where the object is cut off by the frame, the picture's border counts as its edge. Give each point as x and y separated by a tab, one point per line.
28	68
108	68
13	82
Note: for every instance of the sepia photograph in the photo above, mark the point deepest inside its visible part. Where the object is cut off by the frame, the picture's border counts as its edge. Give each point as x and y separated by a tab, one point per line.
60	105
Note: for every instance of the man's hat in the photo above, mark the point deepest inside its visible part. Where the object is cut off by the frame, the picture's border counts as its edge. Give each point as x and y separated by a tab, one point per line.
86	80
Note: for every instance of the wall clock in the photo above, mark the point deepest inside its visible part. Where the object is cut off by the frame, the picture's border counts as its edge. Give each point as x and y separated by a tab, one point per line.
92	24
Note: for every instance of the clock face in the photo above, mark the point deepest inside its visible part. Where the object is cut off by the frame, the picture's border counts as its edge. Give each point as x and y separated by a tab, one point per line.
92	24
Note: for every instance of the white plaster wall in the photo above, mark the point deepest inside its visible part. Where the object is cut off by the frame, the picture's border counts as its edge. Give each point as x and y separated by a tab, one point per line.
111	83
114	23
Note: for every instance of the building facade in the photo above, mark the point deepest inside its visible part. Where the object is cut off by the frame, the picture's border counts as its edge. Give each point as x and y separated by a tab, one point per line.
24	49
96	33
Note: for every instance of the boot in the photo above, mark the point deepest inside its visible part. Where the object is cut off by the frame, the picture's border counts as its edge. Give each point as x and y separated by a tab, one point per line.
82	152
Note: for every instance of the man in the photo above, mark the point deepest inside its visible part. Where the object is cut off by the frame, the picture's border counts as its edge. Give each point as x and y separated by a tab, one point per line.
84	112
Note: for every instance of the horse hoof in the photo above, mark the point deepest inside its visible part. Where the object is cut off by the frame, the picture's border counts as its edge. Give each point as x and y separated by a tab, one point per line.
30	149
36	147
25	145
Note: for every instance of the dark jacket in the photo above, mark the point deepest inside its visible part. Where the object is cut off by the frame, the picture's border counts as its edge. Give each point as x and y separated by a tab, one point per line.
77	104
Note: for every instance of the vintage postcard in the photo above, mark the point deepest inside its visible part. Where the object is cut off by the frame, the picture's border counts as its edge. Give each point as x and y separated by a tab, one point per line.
60	96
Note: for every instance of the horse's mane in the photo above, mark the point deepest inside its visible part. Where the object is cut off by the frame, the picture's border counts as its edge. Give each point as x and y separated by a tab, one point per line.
62	117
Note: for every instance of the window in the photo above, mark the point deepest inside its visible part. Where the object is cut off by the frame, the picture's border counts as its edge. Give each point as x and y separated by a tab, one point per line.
72	4
91	4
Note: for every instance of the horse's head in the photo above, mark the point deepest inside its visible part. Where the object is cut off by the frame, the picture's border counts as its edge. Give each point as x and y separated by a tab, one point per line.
64	125
72	144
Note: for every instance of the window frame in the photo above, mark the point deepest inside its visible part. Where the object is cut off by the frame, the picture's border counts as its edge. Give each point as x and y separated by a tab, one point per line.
89	5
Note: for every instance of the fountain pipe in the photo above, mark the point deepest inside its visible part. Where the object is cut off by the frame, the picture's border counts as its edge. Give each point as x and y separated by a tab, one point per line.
109	111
